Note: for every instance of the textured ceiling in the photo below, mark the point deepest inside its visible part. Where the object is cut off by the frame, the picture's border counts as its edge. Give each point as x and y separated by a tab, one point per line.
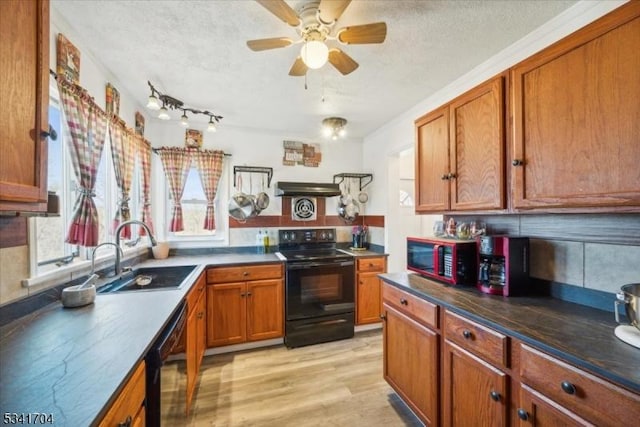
196	51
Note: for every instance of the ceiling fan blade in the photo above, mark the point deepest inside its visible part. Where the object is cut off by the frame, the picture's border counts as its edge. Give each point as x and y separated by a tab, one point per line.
343	62
363	34
298	68
265	44
331	10
281	10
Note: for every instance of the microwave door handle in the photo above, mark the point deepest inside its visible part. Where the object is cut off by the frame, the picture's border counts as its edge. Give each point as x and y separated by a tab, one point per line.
436	259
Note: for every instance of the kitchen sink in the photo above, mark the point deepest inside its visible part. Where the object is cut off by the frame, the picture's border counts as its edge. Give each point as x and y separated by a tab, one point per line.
149	278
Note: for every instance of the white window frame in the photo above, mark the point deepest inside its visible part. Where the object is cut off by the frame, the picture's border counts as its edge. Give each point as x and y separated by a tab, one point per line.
220	236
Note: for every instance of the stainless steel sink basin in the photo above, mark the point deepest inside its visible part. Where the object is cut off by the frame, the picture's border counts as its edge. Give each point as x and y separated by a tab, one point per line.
149	278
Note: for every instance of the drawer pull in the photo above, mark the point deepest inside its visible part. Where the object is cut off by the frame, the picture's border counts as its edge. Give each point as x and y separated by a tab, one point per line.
383	317
246	273
466	334
126	423
567	387
523	415
495	396
404	301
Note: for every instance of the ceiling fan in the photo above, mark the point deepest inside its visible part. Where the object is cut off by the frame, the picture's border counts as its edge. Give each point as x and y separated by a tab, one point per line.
315	22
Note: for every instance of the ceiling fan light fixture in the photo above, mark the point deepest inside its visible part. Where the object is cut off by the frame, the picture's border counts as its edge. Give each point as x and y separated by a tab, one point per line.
314	54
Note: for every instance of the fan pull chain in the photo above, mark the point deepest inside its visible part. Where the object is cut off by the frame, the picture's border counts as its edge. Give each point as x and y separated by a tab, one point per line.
305	81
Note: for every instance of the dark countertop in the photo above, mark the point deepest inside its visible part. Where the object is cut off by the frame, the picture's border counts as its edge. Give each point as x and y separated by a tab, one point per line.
72	363
578	334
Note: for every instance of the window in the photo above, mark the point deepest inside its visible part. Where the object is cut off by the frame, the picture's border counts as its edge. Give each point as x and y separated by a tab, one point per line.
194	205
48	247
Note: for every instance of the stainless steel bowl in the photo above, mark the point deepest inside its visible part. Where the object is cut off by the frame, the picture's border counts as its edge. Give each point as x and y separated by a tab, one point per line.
629	296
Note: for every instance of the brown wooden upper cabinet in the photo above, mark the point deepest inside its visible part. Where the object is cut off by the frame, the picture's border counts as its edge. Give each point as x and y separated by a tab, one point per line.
24	90
576	118
460	152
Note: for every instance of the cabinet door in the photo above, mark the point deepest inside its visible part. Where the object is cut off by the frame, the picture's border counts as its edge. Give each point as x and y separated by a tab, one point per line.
201	331
577	118
191	356
265	309
537	410
432	161
368	297
474	392
226	314
411	363
24	90
477	148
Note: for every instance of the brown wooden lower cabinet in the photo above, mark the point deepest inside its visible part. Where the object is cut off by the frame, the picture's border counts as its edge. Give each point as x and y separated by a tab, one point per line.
195	336
241	311
368	289
474	392
128	408
485	377
411	360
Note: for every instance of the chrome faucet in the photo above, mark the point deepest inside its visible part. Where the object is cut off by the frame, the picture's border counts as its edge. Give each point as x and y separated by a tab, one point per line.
117	233
119	254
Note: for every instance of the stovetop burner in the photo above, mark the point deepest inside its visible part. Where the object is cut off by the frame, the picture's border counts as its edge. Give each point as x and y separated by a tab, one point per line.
309	244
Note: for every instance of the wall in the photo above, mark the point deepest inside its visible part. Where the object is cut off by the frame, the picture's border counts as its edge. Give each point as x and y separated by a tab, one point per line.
398	134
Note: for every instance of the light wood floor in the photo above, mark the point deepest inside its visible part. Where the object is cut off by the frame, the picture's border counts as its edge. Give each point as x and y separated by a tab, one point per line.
333	384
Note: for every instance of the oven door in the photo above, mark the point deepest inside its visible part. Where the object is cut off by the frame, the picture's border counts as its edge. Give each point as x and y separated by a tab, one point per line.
318	289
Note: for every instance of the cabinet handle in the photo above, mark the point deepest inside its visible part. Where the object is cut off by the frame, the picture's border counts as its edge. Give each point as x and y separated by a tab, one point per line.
466	334
404	301
517	162
245	274
248	294
523	415
126	423
51	133
200	315
242	294
383	317
567	387
444	177
452	176
495	396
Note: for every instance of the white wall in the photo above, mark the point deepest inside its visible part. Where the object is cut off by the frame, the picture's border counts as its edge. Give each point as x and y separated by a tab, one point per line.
398	134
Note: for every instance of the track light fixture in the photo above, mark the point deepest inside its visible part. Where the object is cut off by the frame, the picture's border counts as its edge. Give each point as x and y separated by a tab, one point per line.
162	103
334	127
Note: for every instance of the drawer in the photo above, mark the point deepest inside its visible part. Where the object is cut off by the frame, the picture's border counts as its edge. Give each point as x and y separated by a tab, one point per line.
129	401
244	273
196	290
417	308
484	342
370	264
588	396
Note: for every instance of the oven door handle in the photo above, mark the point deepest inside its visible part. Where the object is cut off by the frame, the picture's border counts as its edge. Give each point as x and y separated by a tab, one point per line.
305	265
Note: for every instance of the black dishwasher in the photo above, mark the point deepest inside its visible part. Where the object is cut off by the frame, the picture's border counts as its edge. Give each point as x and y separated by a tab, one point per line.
155	358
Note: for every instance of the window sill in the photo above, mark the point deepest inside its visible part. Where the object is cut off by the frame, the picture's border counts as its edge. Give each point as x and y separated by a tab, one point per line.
77	269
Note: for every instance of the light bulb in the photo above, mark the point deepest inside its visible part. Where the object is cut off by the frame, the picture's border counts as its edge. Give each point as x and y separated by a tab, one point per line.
152	103
342	132
164	114
184	120
314	54
212	126
326	131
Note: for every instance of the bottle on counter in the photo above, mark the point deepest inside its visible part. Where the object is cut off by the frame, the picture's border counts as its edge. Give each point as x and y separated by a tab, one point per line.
260	242
265	241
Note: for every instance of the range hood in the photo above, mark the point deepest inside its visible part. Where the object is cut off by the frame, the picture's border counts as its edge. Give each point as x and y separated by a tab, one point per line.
318	189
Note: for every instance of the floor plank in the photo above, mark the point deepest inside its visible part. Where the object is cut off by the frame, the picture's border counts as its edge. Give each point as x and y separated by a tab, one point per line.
332	384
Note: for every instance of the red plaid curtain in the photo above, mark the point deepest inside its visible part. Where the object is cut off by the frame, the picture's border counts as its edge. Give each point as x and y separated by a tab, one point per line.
209	164
144	155
176	163
123	152
87	126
